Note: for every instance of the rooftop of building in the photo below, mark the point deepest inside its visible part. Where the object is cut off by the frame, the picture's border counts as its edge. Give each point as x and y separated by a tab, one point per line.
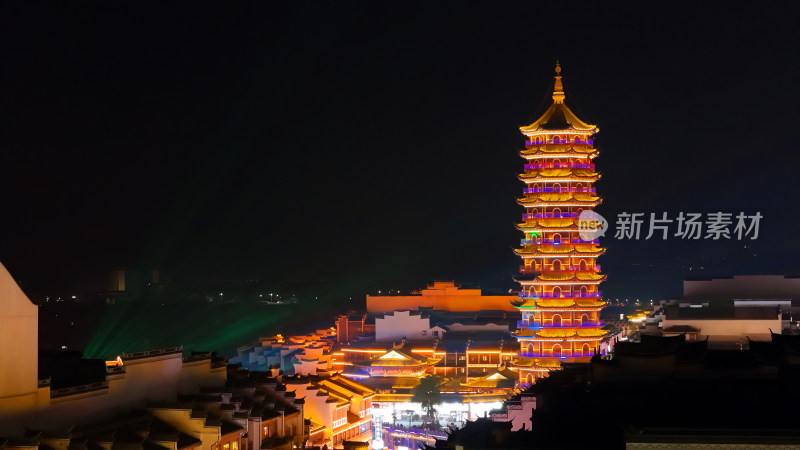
443	287
478	340
69	368
341	385
558	116
675	399
681	329
444	318
720	312
392	382
138	429
743	286
501	379
450	342
397	357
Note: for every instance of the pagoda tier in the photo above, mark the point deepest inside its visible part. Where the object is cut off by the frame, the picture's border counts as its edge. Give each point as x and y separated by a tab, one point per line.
568	175
559	299
566	304
584	198
545	152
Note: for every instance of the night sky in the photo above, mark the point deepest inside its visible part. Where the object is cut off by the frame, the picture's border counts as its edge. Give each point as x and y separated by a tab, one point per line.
374	145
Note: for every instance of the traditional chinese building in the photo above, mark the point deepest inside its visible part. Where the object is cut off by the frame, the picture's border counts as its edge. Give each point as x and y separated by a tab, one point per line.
559	299
441	295
337	408
398	362
303	354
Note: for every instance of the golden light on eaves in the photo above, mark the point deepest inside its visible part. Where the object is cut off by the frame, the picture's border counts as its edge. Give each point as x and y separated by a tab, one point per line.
560	301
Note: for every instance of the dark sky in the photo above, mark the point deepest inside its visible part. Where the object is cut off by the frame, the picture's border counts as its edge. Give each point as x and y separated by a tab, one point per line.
374	145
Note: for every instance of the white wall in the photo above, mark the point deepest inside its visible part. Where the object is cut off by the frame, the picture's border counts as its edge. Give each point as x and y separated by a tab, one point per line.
728	327
153	378
744	286
478	327
727	333
146	379
399	324
19	352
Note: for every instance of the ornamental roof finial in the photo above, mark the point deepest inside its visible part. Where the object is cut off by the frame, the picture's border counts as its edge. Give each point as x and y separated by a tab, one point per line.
558	90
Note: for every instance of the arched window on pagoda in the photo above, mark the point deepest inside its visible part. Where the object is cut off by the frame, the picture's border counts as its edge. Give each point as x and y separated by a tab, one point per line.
556	187
530	348
584	291
584	319
556	320
579	187
557	291
556	237
587	350
556	140
530	378
557	350
557	266
556	163
582	265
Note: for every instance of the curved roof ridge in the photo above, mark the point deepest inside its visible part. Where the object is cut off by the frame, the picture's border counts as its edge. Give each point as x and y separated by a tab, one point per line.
558	116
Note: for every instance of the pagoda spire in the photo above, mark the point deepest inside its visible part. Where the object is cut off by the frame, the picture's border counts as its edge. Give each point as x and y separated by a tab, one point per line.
558	89
558	116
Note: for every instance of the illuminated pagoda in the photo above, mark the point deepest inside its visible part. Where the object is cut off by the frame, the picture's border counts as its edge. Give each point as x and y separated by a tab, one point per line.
559	296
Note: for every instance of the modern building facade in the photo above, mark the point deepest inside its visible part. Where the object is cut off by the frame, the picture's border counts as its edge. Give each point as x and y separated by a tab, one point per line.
559	297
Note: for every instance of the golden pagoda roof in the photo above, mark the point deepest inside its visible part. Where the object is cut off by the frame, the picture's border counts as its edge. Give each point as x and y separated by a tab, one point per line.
556	332
501	379
551	302
561	303
560	332
591	303
528	226
560	173
570	332
579	276
567	149
544	363
544	198
558	116
524	332
572	249
552	223
536	202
